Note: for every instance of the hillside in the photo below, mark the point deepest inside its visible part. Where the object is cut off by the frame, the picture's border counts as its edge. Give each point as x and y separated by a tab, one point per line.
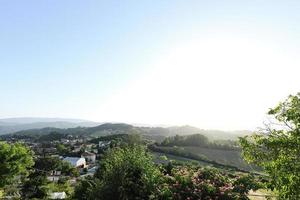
221	156
156	133
12	125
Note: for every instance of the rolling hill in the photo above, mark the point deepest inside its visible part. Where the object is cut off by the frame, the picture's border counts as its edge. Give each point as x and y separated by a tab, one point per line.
156	133
12	125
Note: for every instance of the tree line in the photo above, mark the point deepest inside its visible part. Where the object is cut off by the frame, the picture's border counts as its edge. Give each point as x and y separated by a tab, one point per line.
199	140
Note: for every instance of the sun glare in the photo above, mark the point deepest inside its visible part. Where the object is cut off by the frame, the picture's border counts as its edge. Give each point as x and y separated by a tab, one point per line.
199	82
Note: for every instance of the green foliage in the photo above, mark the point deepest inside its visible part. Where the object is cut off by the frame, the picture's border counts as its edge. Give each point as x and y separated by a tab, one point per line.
198	140
15	160
189	140
204	183
62	185
36	186
62	149
134	139
109	138
53	136
124	173
127	173
178	151
163	157
233	158
244	183
67	169
1	193
86	188
277	148
48	164
121	139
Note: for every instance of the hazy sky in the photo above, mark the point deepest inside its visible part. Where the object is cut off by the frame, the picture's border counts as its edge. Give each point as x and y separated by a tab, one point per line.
212	64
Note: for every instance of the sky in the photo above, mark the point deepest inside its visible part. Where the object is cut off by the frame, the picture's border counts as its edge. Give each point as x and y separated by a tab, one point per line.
211	64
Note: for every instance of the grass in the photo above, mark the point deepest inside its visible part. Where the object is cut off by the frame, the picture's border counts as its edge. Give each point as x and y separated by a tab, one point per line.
157	159
226	157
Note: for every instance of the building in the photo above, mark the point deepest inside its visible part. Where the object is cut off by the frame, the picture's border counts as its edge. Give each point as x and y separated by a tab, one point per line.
92	170
76	161
58	195
54	176
77	148
103	144
89	157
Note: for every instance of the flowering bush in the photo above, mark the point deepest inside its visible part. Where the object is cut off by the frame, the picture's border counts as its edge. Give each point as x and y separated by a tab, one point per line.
130	173
205	183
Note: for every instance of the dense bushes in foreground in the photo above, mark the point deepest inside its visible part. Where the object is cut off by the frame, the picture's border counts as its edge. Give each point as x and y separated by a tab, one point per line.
129	173
205	183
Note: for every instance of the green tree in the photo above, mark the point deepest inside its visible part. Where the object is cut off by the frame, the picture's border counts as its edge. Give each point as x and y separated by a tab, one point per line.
86	188
127	173
15	161
196	140
189	140
36	186
62	185
277	148
47	163
134	139
69	170
62	149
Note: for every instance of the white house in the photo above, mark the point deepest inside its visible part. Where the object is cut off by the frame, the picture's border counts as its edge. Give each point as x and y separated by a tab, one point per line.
58	195
103	144
76	161
89	157
53	178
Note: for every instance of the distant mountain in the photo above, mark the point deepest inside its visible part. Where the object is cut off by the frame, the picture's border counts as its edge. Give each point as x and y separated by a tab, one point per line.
30	120
120	128
11	125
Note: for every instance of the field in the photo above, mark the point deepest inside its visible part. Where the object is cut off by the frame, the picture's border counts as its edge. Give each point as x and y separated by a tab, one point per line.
226	157
157	159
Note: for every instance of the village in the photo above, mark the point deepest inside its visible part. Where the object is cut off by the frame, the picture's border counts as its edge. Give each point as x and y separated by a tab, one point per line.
66	159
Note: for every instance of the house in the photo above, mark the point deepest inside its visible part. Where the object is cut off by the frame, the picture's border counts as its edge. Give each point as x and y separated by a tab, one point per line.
58	195
103	144
55	173
77	148
54	176
65	141
89	157
76	161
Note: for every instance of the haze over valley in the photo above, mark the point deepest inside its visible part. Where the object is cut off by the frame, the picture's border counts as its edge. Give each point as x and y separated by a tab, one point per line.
150	100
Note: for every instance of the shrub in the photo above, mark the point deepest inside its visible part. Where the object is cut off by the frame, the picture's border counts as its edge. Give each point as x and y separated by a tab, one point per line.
127	173
205	183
